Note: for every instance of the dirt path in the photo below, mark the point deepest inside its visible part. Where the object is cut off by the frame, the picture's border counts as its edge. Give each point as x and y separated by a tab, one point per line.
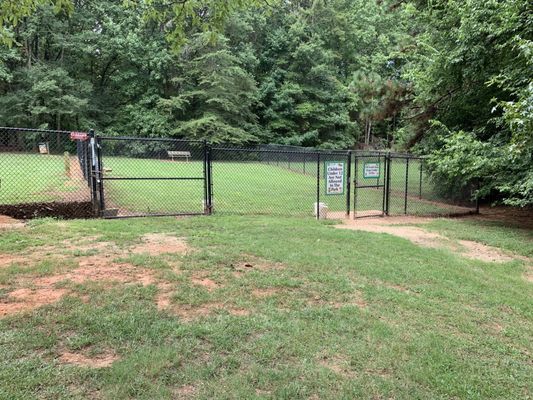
397	226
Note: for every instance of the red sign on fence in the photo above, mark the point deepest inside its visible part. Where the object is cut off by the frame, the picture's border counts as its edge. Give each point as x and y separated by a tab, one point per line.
78	136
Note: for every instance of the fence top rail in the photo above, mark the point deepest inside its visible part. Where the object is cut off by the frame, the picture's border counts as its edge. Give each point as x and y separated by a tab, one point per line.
259	150
148	139
36	130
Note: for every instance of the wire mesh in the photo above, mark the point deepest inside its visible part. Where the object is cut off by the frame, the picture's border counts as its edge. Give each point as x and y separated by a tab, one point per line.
44	173
143	176
369	171
62	173
413	191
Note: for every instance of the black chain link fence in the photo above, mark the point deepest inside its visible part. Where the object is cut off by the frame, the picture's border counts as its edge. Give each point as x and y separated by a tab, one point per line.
77	174
151	176
44	173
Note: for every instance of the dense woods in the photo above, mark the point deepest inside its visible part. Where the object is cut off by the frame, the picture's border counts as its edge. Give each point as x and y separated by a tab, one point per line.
453	79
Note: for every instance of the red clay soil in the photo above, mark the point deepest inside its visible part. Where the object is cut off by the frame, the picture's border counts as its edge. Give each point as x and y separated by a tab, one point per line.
10	223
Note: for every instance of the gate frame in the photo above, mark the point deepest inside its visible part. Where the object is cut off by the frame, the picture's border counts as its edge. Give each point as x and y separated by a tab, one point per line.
99	178
385	186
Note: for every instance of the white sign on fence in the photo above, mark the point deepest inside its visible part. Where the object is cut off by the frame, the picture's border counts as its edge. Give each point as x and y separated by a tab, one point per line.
371	170
334	177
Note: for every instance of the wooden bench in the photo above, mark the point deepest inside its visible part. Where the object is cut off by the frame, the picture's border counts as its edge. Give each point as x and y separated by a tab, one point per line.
179	154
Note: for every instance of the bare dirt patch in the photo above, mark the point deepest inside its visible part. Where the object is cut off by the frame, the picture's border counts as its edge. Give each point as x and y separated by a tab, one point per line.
27	299
184	392
207	283
156	243
30	292
10	223
102	360
264	292
419	236
338	365
482	252
43	291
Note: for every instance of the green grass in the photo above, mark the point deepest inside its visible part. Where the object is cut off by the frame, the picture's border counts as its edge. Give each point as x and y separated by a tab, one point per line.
28	178
350	315
246	188
492	233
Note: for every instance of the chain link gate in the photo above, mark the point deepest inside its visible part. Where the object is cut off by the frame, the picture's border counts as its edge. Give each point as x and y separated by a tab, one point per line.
371	183
136	177
75	174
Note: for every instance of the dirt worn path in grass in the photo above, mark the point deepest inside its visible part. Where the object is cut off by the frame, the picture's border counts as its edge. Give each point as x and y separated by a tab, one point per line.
30	291
400	226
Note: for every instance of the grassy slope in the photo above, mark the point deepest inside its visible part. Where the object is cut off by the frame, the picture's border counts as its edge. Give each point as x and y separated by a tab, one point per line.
435	325
515	240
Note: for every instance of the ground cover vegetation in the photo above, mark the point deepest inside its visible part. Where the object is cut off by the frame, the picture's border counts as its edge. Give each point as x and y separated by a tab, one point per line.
263	307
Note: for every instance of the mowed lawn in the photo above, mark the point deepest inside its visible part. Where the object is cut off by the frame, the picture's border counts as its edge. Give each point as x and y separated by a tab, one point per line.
238	187
259	308
251	188
30	178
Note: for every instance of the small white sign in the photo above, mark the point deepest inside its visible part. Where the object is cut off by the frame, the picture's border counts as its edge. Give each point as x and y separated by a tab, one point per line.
371	170
334	177
43	148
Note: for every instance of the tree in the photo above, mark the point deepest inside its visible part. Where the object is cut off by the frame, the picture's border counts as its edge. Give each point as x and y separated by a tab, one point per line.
214	94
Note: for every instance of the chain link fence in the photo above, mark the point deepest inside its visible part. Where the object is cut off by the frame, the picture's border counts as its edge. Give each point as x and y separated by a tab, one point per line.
79	174
44	173
151	176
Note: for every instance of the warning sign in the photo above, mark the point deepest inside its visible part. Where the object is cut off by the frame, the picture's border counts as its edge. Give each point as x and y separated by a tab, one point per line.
334	177
78	136
371	170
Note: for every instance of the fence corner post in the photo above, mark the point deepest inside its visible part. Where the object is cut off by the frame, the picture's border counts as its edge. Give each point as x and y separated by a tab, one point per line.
93	154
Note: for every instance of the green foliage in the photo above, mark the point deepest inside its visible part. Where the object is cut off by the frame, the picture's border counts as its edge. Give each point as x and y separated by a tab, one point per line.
441	76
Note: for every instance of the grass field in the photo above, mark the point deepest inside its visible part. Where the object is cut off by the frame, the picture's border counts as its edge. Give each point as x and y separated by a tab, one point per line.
253	188
238	187
33	178
259	308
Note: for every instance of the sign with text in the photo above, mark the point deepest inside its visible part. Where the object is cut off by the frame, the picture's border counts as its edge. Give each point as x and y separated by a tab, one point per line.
78	136
334	177
371	170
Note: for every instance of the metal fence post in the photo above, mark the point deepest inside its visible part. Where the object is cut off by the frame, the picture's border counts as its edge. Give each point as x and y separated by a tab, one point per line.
388	169
355	185
210	177
206	183
100	174
317	186
208	194
420	180
348	184
93	171
406	185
